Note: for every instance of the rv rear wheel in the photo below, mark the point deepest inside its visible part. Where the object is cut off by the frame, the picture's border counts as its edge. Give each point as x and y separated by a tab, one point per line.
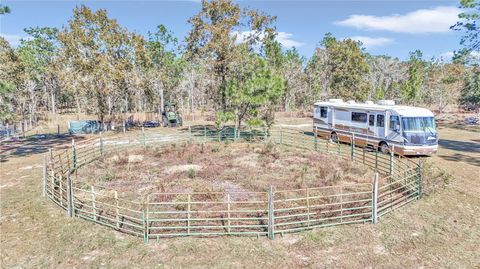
334	138
384	148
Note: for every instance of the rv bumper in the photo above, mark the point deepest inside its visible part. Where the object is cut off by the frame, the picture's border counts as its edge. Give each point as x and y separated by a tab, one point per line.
418	150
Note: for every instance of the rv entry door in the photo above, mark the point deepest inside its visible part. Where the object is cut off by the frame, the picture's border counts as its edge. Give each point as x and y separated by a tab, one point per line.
380	125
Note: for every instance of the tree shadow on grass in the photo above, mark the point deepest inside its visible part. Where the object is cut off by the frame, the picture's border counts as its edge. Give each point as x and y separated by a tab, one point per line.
34	144
463	146
457	157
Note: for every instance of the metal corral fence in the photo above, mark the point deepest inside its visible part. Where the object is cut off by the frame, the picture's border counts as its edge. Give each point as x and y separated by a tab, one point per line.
268	212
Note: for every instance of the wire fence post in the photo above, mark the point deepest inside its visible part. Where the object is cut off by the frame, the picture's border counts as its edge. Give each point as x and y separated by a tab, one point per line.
307	198
70	209
375	199
228	212
315	139
189	209
74	154
145	223
271	217
353	146
45	176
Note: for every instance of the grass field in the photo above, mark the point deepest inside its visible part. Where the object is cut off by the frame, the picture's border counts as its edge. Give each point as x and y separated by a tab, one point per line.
442	230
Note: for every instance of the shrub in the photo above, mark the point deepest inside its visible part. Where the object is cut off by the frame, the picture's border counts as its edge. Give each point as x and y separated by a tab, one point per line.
191	173
216	148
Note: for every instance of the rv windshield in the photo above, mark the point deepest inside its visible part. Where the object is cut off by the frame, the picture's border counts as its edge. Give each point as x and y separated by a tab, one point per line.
419	124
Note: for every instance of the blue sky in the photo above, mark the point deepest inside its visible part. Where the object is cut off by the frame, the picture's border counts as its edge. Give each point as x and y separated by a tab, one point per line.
385	27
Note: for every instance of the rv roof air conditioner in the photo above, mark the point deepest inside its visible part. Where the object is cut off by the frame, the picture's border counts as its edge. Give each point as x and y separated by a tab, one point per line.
335	100
350	102
386	102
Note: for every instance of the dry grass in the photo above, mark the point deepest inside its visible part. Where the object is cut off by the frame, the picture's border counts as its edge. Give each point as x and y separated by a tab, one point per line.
442	230
220	167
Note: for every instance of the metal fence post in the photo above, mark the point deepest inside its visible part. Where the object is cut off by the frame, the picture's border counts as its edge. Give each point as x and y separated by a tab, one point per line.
70	209
145	223
315	139
228	213
375	199
189	209
74	154
45	176
271	217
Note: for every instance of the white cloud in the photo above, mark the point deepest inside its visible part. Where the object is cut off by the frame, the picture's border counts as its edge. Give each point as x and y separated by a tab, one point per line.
370	42
14	40
283	38
286	40
447	55
435	20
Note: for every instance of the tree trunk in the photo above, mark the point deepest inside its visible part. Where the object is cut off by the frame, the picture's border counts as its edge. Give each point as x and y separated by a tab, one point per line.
54	109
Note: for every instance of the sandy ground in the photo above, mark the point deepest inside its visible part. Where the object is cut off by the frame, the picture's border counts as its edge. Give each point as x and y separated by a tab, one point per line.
441	230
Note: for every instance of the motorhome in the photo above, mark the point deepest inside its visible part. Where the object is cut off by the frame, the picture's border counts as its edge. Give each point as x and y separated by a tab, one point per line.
385	126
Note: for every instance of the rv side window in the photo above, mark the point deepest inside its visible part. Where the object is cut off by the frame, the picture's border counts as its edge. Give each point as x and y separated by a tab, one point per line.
394	123
323	112
380	121
371	120
359	117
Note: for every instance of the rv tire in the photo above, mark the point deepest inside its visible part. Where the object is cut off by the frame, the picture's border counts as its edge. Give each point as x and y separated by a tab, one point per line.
383	147
334	137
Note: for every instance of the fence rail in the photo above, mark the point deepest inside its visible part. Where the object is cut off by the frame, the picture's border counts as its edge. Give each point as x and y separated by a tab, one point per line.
263	213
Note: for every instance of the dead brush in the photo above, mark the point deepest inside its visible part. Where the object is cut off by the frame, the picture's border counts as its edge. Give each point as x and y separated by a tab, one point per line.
122	160
270	149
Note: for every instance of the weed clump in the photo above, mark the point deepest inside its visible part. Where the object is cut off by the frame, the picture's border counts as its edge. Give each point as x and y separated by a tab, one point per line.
191	173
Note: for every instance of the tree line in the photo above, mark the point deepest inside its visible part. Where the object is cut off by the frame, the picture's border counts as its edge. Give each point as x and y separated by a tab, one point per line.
230	62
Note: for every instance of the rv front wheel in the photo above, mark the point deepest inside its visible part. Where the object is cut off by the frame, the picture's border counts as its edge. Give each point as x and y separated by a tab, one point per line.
384	148
334	138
